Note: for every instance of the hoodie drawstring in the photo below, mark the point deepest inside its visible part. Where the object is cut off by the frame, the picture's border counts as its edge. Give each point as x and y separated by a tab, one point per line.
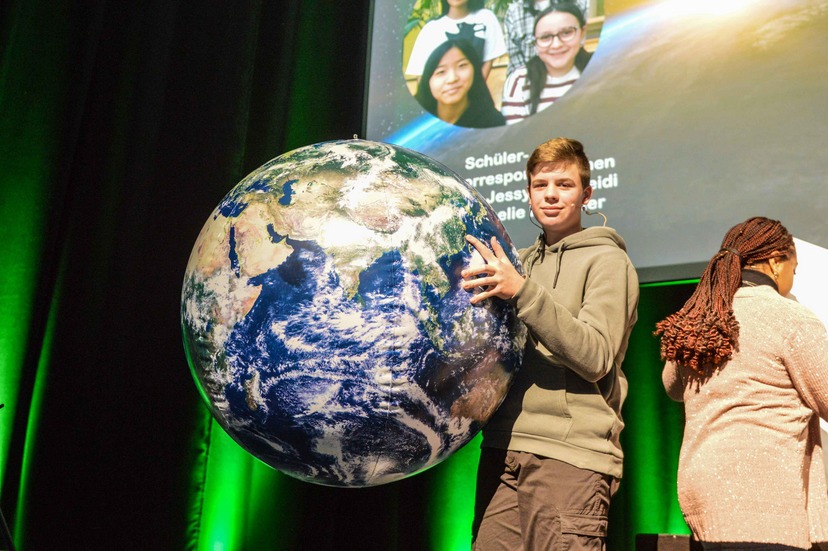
558	258
539	254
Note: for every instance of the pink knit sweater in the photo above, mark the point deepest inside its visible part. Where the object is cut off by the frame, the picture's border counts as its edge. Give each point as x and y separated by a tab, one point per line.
751	466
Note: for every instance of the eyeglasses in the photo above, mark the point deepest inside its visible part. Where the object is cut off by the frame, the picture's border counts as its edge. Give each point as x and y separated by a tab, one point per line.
564	35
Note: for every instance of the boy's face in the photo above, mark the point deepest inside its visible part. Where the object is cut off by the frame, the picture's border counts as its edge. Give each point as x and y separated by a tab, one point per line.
556	195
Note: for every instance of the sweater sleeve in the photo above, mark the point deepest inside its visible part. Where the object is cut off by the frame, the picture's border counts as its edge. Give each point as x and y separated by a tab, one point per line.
428	39
807	363
512	33
513	102
495	44
672	382
589	342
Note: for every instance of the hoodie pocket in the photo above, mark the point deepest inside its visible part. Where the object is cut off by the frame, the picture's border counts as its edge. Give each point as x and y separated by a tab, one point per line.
544	402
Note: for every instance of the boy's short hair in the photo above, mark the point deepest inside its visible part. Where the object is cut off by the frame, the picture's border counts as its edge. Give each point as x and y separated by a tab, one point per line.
557	152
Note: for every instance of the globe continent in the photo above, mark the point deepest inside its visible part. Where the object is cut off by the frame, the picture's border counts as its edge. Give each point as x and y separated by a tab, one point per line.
323	317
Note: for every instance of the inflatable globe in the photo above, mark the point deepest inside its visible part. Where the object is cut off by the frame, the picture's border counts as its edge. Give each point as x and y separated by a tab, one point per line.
323	317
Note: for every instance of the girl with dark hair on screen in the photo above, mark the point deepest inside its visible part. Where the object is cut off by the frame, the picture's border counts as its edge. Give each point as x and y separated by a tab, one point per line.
751	367
453	88
461	20
559	31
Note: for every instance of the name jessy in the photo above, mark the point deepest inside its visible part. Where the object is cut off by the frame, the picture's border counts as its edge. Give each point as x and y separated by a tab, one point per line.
506	196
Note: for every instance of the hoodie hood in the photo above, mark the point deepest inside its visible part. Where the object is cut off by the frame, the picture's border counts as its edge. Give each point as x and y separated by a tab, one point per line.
588	237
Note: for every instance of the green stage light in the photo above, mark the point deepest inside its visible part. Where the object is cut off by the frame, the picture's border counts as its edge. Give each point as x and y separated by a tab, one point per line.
451	502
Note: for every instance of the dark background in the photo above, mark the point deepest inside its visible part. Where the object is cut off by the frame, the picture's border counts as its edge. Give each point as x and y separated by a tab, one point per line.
122	125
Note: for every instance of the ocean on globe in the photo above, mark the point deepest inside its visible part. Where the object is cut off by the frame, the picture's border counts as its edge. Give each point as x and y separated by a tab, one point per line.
323	317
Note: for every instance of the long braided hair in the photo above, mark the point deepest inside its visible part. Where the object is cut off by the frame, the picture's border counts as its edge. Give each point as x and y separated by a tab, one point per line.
705	333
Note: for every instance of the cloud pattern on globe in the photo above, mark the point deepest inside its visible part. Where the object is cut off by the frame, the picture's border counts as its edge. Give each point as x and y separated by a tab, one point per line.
324	321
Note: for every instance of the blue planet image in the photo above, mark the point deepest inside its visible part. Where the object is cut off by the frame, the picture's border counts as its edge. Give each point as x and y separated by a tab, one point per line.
324	322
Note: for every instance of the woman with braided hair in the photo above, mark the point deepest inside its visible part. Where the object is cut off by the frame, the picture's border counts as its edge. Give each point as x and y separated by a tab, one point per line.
751	367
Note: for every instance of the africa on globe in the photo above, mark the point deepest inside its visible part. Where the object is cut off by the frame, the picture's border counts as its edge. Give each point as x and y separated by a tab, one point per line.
324	322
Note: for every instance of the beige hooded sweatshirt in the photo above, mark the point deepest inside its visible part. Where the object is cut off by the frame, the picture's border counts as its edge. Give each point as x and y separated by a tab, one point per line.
579	303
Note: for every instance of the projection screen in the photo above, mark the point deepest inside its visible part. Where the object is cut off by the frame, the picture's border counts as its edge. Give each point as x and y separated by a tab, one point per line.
696	115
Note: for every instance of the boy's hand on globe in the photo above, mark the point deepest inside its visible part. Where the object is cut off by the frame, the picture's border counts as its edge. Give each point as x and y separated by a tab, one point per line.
497	277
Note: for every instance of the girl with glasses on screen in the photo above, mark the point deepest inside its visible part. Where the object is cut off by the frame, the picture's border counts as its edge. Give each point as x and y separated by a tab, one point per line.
518	24
558	35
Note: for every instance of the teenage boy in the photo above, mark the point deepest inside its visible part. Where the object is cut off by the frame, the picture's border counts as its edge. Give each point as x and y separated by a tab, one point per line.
551	457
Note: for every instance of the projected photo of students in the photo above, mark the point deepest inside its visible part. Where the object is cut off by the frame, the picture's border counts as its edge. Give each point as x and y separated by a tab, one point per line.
453	89
558	37
430	25
519	26
459	20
